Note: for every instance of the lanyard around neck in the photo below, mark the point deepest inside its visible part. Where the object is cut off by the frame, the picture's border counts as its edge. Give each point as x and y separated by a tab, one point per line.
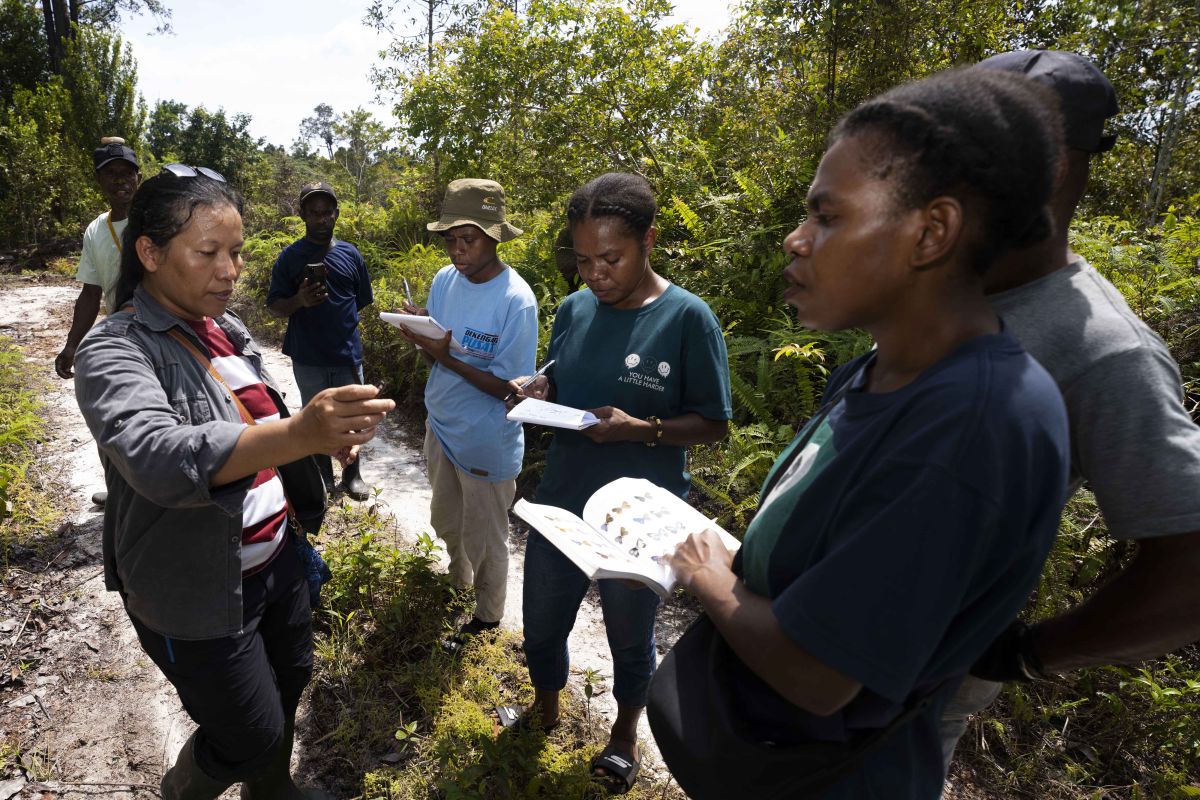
113	232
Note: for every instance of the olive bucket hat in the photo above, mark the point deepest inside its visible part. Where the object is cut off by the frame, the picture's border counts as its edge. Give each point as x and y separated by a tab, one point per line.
478	202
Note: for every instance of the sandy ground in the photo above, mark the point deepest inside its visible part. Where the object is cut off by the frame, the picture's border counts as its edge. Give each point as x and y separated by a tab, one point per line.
91	713
76	691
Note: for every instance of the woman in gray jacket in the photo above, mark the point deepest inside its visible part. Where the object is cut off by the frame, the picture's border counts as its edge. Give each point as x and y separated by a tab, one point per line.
207	477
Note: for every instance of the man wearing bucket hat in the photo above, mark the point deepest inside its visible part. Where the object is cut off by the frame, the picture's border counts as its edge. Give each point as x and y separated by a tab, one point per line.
473	452
319	284
1132	440
118	174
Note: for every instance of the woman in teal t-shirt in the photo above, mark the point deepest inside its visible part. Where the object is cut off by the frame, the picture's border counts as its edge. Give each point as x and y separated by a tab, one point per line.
649	359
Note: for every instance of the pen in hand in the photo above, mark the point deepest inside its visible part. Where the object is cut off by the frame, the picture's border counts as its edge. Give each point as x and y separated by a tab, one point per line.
543	368
407	291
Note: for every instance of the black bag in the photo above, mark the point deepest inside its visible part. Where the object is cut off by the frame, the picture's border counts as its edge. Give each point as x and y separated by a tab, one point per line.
705	741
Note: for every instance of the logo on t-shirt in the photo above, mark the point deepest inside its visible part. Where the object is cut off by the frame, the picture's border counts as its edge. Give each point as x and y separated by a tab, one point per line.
480	345
645	377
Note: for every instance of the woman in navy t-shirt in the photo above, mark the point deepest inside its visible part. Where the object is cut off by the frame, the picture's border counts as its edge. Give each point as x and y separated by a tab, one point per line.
906	526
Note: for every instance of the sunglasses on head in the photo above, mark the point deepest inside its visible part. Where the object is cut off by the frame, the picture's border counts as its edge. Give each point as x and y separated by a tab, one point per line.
184	171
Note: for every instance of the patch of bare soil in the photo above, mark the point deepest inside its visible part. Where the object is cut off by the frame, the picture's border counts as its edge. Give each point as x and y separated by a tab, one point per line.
90	714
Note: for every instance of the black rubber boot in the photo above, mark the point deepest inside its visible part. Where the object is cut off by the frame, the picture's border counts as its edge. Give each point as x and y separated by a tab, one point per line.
325	464
99	499
276	783
353	483
186	781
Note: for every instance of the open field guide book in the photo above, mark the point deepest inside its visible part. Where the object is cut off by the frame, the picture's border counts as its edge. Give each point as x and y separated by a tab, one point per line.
627	527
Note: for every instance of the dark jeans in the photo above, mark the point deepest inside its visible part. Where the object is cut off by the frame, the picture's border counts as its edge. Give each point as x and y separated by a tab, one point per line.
239	689
553	589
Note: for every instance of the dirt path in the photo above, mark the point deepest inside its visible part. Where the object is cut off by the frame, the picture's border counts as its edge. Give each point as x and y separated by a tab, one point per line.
88	712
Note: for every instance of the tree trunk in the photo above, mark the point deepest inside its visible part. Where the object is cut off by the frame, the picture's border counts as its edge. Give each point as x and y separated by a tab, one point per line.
58	18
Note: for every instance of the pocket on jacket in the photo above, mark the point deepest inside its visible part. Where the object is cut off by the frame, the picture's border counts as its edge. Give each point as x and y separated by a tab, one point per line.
194	410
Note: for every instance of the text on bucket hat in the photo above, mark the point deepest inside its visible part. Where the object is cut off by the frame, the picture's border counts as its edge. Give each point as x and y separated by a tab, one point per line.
478	202
1085	95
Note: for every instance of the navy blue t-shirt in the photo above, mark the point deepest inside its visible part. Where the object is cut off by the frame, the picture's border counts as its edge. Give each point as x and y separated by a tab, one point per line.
906	535
324	335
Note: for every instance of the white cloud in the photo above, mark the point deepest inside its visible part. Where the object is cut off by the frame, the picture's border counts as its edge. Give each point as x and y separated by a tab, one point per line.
277	59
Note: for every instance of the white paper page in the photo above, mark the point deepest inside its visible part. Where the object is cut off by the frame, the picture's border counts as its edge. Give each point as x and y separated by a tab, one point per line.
573	537
421	325
647	521
540	412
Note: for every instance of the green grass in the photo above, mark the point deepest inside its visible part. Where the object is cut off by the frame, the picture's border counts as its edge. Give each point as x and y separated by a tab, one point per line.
26	512
403	719
1103	733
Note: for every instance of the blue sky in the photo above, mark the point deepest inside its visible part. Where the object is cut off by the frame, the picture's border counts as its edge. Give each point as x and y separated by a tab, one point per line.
276	59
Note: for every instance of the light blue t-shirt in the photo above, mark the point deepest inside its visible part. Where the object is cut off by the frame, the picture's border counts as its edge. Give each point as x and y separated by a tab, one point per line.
496	322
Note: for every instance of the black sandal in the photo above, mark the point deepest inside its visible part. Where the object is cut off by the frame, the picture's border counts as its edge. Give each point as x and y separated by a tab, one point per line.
621	772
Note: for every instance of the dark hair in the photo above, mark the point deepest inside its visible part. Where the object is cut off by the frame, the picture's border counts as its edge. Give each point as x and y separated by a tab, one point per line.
161	208
991	138
615	194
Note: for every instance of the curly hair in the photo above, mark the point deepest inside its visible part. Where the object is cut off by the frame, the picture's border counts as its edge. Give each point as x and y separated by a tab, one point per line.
615	194
991	139
161	208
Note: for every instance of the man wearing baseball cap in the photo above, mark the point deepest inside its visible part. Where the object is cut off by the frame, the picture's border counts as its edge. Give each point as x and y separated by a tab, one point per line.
118	174
319	284
472	451
1132	440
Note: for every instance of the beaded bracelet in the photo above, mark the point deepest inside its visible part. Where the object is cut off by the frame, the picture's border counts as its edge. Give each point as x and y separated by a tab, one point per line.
657	430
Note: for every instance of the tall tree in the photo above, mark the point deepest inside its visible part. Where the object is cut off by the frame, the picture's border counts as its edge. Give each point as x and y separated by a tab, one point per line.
61	17
165	132
366	142
23	60
320	126
100	76
569	89
415	26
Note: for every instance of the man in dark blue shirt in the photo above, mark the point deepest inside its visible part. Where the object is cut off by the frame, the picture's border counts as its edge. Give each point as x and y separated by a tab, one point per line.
319	284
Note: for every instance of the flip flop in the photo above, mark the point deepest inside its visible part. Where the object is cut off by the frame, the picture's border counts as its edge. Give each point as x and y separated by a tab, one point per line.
622	773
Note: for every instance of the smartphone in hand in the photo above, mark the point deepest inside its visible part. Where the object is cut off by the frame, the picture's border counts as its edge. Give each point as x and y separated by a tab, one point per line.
314	273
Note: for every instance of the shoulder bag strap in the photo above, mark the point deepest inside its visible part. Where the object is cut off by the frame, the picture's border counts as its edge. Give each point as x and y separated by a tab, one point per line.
174	333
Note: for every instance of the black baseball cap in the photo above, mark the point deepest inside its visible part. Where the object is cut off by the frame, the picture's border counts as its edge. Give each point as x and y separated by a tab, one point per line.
114	151
309	189
1086	97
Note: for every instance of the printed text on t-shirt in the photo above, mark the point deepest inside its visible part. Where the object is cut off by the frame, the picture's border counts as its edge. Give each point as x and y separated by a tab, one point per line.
480	345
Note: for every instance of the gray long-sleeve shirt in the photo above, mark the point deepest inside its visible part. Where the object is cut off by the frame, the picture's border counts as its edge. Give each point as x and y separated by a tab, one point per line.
172	544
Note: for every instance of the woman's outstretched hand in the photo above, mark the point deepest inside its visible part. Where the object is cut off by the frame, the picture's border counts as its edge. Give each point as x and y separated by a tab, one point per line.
337	420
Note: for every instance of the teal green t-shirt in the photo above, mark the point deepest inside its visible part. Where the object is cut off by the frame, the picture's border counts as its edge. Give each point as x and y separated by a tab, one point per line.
664	359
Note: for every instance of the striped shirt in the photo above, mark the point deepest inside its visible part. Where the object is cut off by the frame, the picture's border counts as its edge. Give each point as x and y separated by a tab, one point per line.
264	511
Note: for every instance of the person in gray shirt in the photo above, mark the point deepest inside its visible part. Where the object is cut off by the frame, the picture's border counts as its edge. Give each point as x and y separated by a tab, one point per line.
1132	441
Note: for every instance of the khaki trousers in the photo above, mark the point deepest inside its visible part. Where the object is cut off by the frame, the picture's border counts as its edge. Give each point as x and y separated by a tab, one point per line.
471	516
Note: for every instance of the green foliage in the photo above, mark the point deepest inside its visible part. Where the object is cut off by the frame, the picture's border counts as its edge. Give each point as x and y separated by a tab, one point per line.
385	687
634	81
23	62
100	77
21	428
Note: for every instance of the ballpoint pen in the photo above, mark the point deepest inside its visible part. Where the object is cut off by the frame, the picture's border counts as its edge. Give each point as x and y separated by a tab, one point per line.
407	291
543	368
